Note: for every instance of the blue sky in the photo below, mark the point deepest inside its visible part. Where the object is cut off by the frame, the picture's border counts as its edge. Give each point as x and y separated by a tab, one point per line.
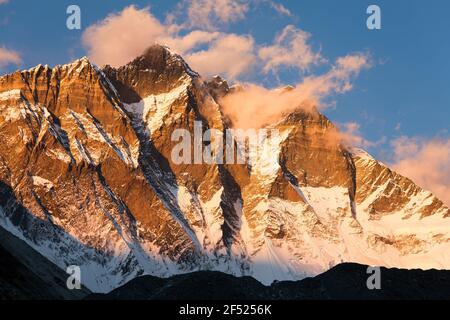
404	93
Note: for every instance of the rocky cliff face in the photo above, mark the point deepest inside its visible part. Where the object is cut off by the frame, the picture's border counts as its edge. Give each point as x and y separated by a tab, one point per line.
87	178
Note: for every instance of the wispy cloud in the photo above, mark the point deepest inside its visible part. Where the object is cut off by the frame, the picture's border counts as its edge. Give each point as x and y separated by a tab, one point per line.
8	57
426	162
278	7
3	1
350	134
212	14
290	49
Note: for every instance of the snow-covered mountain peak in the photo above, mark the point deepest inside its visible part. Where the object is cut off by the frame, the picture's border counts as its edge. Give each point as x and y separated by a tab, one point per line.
87	178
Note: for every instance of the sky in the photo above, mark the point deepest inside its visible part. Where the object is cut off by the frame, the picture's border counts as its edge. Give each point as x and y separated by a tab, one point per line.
387	88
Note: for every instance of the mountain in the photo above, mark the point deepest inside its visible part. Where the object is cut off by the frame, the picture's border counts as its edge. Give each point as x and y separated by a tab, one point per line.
87	179
346	281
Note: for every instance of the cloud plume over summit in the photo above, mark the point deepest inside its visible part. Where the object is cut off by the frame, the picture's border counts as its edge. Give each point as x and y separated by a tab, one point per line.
255	106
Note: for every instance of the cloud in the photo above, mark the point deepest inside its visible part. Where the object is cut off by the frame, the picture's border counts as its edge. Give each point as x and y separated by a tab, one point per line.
290	49
230	55
426	162
122	36
3	1
190	41
352	62
210	14
350	135
213	14
9	57
278	7
255	106
337	79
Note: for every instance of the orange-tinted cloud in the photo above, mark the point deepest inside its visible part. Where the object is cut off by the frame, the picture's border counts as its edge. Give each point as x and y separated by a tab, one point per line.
426	162
184	44
290	49
230	55
122	36
255	106
9	57
350	135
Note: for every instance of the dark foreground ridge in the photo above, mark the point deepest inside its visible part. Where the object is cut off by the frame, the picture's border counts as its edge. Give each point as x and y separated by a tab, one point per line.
345	281
25	274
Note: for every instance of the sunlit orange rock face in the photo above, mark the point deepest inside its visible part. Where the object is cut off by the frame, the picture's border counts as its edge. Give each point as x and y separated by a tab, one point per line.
87	178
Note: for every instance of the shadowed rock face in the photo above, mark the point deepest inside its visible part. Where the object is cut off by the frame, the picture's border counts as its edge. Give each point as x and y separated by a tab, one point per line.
86	155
